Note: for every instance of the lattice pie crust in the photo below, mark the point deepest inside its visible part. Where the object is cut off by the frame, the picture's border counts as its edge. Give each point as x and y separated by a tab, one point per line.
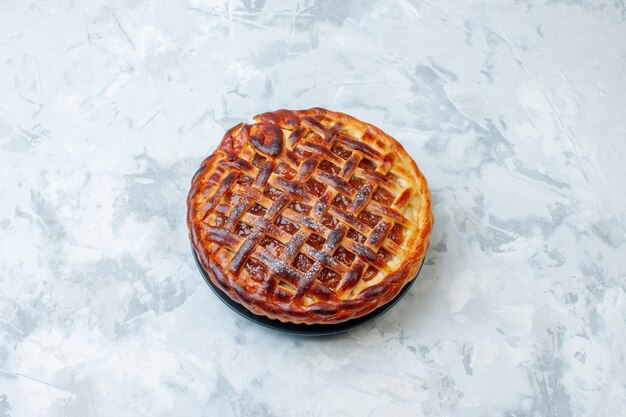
309	216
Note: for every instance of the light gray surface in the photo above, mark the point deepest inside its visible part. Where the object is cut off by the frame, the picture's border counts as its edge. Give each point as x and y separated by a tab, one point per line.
515	111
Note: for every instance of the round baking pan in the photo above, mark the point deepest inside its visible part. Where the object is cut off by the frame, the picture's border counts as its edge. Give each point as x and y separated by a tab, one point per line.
300	329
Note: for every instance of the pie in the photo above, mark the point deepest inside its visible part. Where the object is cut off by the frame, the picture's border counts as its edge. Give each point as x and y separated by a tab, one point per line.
309	216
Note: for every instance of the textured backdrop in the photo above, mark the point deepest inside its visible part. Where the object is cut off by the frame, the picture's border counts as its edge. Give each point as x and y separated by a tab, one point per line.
515	111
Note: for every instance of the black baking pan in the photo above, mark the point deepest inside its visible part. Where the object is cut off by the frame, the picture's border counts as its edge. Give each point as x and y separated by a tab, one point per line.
301	329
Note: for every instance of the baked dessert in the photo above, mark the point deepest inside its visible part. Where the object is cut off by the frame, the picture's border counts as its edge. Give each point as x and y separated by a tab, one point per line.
309	216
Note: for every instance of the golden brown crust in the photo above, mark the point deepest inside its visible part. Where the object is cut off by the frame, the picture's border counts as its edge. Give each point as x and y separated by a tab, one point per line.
309	216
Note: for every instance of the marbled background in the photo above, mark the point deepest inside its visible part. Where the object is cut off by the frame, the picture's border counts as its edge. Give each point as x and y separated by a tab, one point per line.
515	111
